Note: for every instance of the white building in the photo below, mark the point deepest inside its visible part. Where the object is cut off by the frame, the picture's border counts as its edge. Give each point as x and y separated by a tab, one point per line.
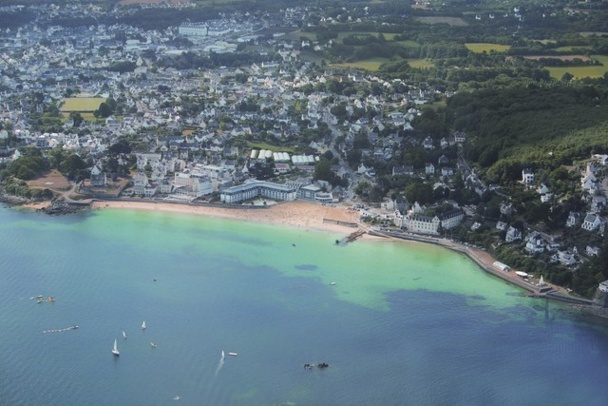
527	176
253	189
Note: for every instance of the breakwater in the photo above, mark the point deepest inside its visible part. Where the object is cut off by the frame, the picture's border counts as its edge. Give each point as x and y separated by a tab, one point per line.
484	263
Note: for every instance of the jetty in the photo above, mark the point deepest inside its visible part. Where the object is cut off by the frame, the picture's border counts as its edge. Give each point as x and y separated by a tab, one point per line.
495	268
351	237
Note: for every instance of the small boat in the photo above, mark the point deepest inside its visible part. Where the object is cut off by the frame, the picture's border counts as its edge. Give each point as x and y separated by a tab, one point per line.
124	335
233	354
332	283
152	344
176	398
115	349
143	325
223	354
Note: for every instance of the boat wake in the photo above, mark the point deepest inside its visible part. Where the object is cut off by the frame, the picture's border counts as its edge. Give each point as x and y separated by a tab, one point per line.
220	364
59	330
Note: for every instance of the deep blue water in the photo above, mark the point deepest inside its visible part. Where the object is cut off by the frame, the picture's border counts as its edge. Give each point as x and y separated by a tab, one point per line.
413	326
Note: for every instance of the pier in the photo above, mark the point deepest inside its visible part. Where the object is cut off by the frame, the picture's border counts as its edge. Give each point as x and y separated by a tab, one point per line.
351	237
485	262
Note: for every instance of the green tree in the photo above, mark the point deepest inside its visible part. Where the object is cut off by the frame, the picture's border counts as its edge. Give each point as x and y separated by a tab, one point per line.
323	170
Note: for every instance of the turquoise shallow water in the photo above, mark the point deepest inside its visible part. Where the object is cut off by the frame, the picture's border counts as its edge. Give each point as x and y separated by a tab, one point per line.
403	323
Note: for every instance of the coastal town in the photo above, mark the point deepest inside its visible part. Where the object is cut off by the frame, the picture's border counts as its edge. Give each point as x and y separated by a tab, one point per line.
179	116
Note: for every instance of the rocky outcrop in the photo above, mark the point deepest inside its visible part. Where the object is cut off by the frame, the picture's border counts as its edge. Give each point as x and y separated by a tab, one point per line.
58	208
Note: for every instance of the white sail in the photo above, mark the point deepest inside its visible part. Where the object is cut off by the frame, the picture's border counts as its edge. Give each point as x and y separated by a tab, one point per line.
115	349
143	325
124	335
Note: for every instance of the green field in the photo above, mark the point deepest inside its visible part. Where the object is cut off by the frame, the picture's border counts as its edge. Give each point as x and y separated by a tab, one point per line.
296	35
371	64
420	63
273	148
454	21
81	104
345	34
479	47
407	44
580	72
571	48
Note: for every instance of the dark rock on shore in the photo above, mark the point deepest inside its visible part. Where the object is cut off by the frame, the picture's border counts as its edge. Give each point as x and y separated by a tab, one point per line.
59	208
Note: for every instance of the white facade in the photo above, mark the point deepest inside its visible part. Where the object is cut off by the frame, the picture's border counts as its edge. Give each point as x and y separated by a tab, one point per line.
417	223
254	189
527	176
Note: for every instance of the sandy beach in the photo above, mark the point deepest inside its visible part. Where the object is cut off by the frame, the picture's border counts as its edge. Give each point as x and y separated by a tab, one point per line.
305	215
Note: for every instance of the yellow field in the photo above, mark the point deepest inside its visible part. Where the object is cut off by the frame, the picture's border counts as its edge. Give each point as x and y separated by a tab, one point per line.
479	47
420	63
580	72
82	104
371	64
592	33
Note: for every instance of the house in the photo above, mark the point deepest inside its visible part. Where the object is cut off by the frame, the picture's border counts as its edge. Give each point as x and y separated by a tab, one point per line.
428	143
447	171
513	234
165	187
527	176
460	137
140	181
564	257
429	169
573	219
592	251
592	221
601	159
501	225
589	182
150	189
603	287
534	244
598	203
98	177
506	209
407	170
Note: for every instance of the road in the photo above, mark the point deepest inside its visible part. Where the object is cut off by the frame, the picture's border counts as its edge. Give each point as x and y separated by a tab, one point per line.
352	175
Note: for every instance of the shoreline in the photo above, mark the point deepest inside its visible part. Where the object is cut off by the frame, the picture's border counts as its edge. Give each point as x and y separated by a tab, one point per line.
310	216
295	214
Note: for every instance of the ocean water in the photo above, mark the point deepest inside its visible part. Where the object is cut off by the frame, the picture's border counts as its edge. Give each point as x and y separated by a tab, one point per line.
399	323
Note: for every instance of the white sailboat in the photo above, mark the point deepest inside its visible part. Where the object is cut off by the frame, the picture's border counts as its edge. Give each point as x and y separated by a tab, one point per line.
124	335
115	349
143	325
